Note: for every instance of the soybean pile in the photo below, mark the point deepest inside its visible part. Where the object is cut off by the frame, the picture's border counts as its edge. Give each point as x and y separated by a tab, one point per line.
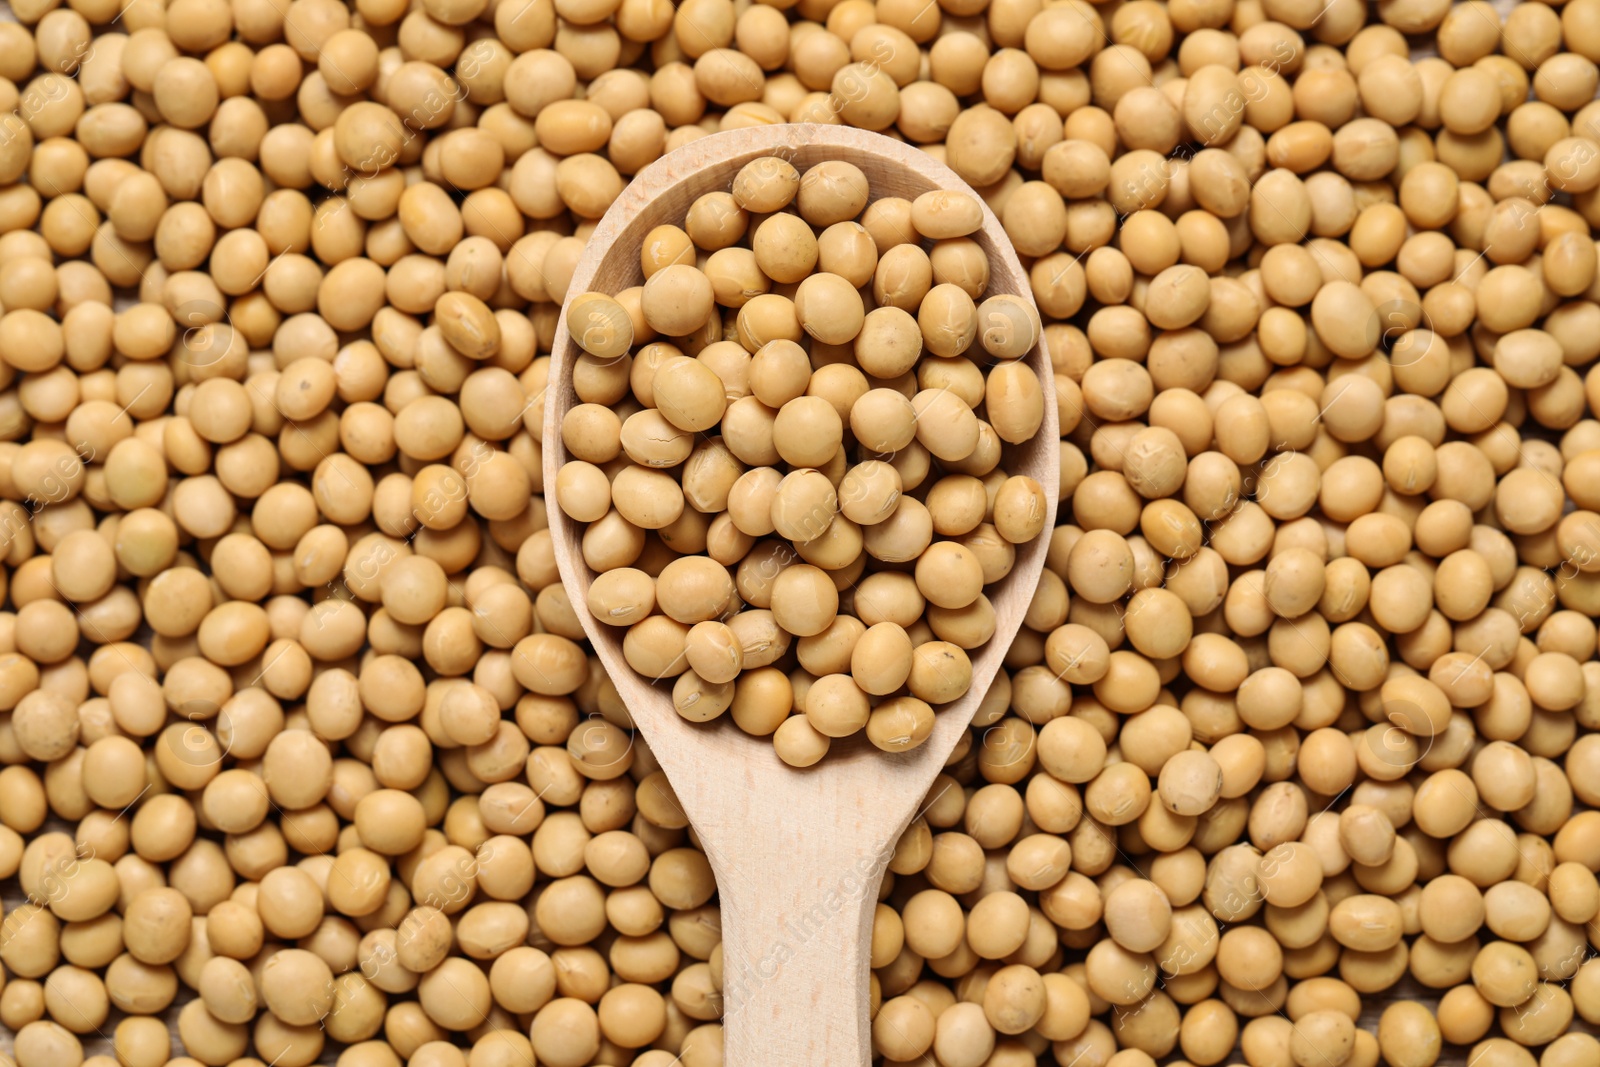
304	751
772	528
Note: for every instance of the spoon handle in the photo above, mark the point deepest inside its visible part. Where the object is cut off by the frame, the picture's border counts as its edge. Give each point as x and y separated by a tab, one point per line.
796	934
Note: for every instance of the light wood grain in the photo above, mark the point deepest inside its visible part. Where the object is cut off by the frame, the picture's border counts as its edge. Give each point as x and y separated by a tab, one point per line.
798	855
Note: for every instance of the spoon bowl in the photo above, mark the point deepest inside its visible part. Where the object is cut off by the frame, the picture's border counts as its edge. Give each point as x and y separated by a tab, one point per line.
798	854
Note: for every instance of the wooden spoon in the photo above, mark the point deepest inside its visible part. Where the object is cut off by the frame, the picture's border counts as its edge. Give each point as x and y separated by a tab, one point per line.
798	854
